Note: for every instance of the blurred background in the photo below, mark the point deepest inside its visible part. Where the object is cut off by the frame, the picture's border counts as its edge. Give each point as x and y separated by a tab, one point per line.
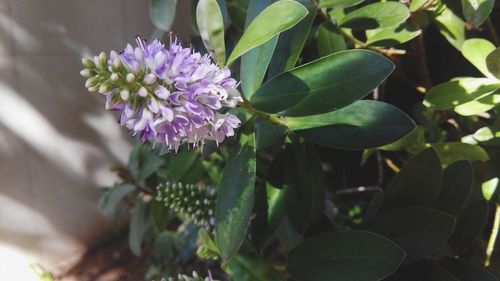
57	143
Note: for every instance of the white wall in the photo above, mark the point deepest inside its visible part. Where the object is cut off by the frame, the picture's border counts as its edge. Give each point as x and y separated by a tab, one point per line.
56	140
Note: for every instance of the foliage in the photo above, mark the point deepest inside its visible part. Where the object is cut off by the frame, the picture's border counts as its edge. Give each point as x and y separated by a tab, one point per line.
326	85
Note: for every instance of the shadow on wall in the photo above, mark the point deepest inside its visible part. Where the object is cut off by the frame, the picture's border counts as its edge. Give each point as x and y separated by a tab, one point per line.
56	140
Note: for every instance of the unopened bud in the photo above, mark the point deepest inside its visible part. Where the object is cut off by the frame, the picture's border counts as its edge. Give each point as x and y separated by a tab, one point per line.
104	88
124	94
91	82
88	63
130	77
92	89
143	92
149	79
117	64
103	59
114	77
86	73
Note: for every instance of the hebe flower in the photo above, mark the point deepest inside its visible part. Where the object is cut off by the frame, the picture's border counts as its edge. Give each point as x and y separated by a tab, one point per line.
166	95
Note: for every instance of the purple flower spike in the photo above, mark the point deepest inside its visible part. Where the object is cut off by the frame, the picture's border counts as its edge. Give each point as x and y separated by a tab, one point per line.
169	95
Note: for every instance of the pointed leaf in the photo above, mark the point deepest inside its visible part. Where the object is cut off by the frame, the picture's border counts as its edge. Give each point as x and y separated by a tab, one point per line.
323	85
275	19
329	40
417	184
477	11
470	225
363	124
235	196
476	50
211	26
391	36
456	188
376	15
451	26
418	231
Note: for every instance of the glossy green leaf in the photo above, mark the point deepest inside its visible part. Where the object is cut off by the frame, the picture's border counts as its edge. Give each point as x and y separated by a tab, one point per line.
305	186
363	124
491	178
493	63
245	268
476	50
487	136
477	11
268	134
338	3
456	188
450	152
391	36
418	231
291	42
465	271
211	27
180	165
451	26
323	85
287	234
470	225
376	15
162	13
344	255
456	92
139	224
480	105
417	184
413	142
329	40
255	62
278	17
235	196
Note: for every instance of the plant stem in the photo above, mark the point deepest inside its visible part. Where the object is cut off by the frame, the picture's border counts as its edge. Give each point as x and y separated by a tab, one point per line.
271	117
493	32
493	236
423	68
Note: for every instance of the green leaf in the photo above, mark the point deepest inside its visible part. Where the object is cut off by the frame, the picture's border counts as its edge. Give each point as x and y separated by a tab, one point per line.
450	152
363	124
338	3
476	50
418	231
470	225
376	15
162	13
480	105
417	184
291	43
456	92
465	271
488	135
423	270
139	224
245	268
323	85
287	235
391	36
181	164
305	186
477	11
275	19
235	196
493	63
451	27
344	255
268	134
456	188
413	142
329	40
211	25
255	62
417	4
110	199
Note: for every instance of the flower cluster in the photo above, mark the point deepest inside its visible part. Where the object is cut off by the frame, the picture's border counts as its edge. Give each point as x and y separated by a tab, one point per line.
196	202
195	277
166	95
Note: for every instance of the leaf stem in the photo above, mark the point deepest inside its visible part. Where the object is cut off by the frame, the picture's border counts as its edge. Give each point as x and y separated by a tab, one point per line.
271	117
493	236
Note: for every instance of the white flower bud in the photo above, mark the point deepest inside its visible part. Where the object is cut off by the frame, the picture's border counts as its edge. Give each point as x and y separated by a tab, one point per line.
130	77
114	77
104	88
91	82
124	94
149	79
86	73
143	92
117	64
88	63
103	59
92	89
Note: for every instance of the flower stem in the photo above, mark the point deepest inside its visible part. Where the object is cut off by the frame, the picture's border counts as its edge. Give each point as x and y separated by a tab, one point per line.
271	117
493	236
